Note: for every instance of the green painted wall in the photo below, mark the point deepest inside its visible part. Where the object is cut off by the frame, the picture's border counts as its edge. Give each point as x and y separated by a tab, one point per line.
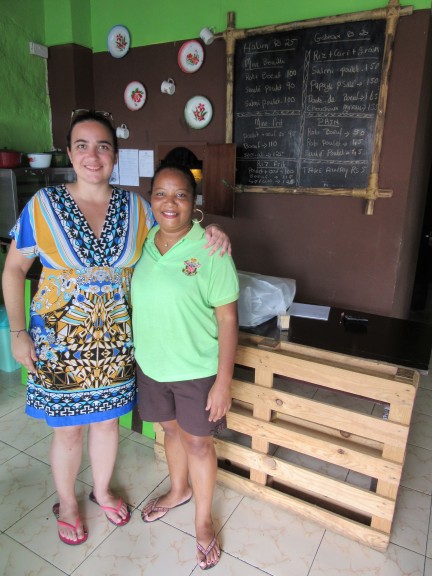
68	22
87	22
24	103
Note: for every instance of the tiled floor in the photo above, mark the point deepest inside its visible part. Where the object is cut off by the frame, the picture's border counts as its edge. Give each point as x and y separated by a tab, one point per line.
256	538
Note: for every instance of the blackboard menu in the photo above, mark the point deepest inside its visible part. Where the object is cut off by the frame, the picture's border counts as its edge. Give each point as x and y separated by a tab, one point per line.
305	105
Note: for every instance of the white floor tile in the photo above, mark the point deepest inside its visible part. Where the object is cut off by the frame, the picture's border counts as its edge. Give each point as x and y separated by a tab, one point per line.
24	483
417	470
17	560
12	393
411	520
423	401
429	541
136	549
420	433
7	452
338	556
141	439
13	425
276	541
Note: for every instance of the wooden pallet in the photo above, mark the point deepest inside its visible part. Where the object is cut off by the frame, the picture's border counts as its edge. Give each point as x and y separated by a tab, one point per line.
298	415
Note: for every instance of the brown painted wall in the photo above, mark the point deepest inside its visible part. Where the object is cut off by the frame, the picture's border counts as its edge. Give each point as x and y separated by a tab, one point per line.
337	254
70	79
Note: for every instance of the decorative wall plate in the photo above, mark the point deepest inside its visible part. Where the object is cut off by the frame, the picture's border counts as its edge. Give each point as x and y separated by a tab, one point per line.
190	56
118	41
135	95
198	112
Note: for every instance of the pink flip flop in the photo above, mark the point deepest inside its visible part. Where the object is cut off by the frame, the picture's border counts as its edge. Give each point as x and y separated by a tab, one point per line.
69	541
106	509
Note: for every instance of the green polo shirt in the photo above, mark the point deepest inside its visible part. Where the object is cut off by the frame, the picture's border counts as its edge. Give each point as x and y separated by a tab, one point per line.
173	301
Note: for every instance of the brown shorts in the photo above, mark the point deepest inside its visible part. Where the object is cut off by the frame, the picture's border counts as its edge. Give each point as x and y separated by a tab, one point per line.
184	401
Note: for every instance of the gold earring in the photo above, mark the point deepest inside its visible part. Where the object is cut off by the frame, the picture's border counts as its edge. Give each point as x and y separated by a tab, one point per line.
202	216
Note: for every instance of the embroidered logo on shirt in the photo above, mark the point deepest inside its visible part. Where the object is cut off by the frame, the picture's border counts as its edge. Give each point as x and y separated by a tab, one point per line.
191	267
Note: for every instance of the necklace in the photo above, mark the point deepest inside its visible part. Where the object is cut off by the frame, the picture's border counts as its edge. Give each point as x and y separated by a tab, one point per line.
166	243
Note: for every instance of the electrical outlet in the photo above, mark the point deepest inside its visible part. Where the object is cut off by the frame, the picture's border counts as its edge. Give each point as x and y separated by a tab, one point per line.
38	49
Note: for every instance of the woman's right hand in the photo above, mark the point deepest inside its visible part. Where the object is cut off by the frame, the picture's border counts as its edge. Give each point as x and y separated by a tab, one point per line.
23	350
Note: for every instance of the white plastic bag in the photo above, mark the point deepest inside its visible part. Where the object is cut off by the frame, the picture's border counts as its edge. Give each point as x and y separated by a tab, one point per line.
263	297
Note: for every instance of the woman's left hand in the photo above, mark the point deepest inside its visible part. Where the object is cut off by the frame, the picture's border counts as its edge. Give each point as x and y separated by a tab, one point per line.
216	238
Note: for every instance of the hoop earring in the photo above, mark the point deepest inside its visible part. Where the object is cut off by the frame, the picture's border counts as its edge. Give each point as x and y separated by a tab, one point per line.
202	216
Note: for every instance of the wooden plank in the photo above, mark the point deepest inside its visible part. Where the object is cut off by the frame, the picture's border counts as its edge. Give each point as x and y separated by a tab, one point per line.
348	528
263	378
339	452
385	488
325	356
353	438
338	418
333	377
312	482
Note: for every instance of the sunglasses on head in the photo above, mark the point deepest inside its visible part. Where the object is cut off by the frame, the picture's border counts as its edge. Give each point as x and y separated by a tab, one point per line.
82	111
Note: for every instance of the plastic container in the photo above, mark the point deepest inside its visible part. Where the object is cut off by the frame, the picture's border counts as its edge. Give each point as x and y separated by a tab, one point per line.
7	362
37	160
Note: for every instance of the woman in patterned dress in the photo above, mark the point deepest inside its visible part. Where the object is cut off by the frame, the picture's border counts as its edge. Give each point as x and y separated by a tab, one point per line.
78	349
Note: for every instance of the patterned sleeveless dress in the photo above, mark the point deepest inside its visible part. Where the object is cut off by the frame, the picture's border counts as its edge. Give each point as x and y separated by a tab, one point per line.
80	317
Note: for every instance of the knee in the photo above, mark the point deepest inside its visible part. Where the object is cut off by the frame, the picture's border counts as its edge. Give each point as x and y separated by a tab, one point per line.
104	427
69	436
107	424
170	428
199	446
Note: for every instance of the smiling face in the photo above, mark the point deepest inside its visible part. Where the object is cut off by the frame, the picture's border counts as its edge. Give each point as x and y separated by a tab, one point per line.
92	152
172	201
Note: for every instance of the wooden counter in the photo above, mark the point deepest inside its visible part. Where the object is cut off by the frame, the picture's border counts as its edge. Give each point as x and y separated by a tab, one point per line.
318	432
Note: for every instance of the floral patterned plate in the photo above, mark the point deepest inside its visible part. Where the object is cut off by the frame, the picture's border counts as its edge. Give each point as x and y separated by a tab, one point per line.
118	41
190	56
135	95
198	112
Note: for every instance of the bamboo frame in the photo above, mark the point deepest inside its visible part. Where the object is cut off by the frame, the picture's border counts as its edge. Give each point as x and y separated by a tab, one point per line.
391	13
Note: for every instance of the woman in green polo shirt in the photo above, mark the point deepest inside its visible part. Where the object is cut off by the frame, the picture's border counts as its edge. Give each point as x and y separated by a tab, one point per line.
185	334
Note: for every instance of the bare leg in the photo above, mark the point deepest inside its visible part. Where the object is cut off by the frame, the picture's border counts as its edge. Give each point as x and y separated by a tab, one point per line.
66	453
102	442
178	470
202	463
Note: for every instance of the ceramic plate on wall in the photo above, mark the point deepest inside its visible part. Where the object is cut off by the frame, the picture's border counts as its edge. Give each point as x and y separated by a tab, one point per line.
198	112
190	56
118	41
135	95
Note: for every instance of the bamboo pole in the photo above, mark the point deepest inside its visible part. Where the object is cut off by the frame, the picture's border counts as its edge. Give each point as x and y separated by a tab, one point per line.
367	193
391	13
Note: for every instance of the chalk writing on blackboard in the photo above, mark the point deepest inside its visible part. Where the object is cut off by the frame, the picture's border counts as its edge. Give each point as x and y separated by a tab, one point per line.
305	105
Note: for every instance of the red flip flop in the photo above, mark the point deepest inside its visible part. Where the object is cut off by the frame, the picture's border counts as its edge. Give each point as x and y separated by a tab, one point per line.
69	541
106	509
